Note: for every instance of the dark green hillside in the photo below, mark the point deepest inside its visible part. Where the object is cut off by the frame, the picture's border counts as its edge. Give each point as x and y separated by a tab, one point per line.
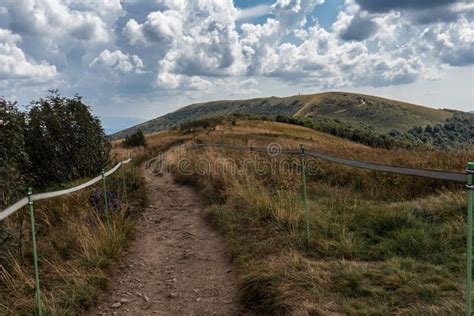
381	115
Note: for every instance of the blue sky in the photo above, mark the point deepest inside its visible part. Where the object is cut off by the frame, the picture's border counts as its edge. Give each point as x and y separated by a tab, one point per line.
138	59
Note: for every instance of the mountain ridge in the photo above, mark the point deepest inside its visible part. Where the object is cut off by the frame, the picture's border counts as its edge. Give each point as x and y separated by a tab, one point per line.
380	114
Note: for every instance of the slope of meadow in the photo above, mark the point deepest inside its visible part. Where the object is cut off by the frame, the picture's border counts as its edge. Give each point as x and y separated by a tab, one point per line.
380	243
381	114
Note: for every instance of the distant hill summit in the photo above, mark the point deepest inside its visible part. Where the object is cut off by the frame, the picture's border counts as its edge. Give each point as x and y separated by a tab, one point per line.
380	114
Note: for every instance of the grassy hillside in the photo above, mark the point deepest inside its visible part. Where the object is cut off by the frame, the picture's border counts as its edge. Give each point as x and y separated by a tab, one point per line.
270	107
381	114
380	244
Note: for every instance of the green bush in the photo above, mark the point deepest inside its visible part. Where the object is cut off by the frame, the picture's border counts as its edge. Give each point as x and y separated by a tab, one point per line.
455	132
205	123
14	161
363	134
57	140
137	139
64	140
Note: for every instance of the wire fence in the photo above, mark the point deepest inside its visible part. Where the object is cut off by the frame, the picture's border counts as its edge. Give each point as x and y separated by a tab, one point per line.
466	178
426	173
28	201
302	152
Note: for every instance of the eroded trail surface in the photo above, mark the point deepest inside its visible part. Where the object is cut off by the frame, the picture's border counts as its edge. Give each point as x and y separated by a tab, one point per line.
176	265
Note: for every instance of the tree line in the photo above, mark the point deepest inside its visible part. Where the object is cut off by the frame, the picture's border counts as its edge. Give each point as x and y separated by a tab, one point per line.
455	132
363	135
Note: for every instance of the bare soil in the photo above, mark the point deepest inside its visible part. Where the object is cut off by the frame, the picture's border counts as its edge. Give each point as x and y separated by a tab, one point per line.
177	263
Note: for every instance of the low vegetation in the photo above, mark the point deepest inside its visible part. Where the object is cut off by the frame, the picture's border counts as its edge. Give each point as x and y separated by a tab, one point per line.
362	134
76	246
137	139
455	132
383	115
380	244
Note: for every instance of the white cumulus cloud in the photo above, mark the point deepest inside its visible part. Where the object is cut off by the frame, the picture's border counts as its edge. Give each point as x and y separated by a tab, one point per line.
159	27
14	64
82	20
292	13
199	38
452	44
118	60
253	12
168	47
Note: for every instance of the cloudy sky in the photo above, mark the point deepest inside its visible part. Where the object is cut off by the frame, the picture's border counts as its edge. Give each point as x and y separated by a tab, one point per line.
133	60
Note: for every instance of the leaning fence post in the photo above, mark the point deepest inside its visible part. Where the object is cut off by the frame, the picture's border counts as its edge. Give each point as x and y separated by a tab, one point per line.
35	252
470	187
106	200
305	195
124	175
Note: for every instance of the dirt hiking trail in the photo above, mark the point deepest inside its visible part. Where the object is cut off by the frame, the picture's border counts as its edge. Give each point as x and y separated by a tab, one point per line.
177	263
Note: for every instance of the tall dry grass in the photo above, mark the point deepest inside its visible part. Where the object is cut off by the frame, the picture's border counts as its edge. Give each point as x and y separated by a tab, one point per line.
75	248
380	244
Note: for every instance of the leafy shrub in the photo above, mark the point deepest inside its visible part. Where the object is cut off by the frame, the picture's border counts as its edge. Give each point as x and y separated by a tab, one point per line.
211	122
363	134
64	140
56	141
206	123
453	133
14	161
137	139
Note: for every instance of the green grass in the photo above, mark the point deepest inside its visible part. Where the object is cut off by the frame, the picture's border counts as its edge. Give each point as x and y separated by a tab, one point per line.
401	285
364	244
